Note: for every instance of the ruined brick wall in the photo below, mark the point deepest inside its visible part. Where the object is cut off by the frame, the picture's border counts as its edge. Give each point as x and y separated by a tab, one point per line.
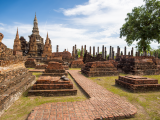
30	63
66	56
88	58
99	68
41	66
76	64
139	65
12	85
7	58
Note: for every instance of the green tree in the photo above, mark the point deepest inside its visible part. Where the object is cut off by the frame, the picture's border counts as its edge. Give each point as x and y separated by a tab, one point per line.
142	25
79	52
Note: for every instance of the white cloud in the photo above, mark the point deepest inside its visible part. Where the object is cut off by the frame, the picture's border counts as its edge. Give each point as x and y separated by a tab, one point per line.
98	22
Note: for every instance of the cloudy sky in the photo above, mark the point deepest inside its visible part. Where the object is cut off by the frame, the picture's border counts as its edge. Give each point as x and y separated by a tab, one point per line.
68	22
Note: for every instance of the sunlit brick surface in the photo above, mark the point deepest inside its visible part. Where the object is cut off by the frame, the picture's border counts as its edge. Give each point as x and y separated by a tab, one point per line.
101	104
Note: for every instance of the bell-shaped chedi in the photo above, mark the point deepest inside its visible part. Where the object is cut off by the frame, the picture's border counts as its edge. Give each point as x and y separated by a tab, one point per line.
17	44
47	52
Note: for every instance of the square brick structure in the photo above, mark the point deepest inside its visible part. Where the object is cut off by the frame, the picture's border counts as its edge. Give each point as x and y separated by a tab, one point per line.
52	86
30	63
99	68
77	63
139	65
138	83
54	69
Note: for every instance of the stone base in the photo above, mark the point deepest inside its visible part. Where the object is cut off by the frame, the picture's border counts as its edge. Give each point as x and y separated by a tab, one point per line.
13	94
55	74
49	93
52	86
139	84
100	73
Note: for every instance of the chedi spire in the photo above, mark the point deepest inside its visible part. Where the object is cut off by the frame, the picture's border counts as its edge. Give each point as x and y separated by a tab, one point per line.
17	43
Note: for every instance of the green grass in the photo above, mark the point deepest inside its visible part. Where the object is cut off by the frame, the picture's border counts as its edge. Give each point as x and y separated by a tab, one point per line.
147	104
24	105
74	68
30	68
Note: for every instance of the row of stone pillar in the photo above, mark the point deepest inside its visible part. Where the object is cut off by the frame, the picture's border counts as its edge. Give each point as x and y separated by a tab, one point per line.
104	52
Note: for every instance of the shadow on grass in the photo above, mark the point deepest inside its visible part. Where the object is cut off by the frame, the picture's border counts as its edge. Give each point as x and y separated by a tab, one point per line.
122	88
80	88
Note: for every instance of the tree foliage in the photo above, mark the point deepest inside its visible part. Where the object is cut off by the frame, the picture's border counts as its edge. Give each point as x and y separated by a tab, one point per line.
142	25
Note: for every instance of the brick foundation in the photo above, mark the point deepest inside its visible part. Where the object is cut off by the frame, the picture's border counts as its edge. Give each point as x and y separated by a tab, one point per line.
99	68
138	84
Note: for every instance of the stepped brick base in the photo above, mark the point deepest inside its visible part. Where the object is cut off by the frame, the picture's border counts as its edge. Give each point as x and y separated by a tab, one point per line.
52	86
138	84
99	68
13	92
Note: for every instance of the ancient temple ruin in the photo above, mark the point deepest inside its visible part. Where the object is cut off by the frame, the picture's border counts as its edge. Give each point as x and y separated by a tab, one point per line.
36	45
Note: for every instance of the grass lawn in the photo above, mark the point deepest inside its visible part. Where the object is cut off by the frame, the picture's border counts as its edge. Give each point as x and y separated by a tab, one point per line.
24	105
147	104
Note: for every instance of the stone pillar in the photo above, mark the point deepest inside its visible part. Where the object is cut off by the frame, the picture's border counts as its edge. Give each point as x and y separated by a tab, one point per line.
150	53
76	54
75	47
82	51
103	51
129	53
97	50
96	54
125	50
132	52
90	50
113	55
121	53
117	54
93	51
57	49
84	48
136	54
73	54
110	54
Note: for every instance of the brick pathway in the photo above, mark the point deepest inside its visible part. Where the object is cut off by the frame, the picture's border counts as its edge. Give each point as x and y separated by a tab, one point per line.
101	104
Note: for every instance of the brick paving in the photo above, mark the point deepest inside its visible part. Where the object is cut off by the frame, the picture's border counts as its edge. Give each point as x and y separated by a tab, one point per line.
102	104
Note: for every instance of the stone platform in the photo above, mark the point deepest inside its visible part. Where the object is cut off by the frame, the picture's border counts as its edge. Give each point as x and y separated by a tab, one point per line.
99	68
102	104
138	83
52	86
36	70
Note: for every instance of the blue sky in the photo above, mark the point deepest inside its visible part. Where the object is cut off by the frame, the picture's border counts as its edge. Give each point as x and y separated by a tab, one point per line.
68	22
